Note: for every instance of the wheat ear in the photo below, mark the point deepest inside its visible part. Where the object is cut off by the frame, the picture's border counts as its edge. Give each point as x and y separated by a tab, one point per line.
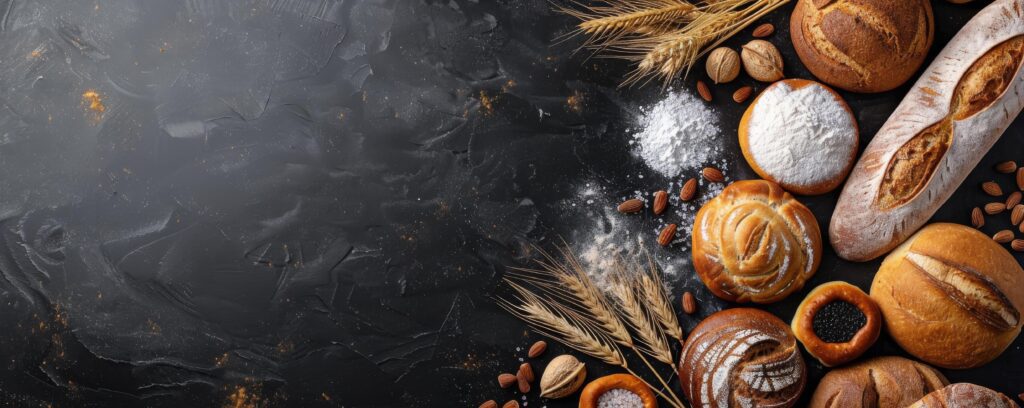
605	24
625	290
657	300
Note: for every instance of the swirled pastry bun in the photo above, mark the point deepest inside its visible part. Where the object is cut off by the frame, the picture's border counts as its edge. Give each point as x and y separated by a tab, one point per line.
755	243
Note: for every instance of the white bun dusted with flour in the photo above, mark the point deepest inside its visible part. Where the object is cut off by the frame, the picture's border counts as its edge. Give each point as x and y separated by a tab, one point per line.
952	116
800	134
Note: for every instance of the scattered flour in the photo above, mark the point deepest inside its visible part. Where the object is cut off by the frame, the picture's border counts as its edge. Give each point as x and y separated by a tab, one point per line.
619	398
802	137
679	133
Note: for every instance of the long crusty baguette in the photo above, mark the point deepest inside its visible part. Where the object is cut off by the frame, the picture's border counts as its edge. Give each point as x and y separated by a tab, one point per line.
953	115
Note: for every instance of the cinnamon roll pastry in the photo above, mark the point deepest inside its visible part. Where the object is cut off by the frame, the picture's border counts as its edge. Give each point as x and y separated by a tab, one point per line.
742	358
755	243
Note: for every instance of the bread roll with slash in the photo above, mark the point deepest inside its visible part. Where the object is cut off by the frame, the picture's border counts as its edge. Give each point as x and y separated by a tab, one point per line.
953	115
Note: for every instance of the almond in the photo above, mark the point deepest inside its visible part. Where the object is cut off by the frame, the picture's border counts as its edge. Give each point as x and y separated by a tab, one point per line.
689	303
995	208
992	189
524	386
1003	236
1017	215
1020	178
742	94
977	218
660	201
631	206
506	380
969	290
537	349
511	404
689	190
526	370
1007	167
763	30
667	235
489	404
1013	199
704	91
1017	245
713	175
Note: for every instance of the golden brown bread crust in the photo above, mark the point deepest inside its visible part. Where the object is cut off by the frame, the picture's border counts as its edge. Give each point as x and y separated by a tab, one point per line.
963	395
862	45
833	354
959	107
755	243
951	296
742	355
881	382
814	189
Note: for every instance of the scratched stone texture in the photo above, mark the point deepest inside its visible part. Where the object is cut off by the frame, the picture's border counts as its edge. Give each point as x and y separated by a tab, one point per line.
271	203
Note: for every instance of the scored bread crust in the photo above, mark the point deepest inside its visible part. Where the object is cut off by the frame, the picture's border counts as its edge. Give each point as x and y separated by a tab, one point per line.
951	296
881	382
862	45
863	226
963	395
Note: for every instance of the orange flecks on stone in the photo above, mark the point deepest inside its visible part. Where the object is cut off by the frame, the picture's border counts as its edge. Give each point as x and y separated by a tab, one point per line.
575	102
241	397
486	104
221	361
325	396
508	85
93	101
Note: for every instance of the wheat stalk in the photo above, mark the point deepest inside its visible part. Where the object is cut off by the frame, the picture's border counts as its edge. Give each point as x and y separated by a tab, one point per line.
606	24
657	301
625	290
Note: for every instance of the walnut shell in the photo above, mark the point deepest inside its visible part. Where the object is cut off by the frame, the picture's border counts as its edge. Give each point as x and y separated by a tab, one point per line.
723	65
762	61
562	377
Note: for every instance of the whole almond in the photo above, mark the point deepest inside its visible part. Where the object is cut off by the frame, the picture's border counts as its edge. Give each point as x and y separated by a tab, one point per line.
689	190
704	91
689	303
763	30
1007	167
524	386
527	371
1020	178
1003	236
506	380
631	206
977	218
995	208
537	349
713	175
742	94
667	235
511	404
1017	245
489	404
660	201
992	189
1017	215
1013	199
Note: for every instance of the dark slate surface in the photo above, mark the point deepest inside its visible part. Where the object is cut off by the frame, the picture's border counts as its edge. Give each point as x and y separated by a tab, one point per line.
311	203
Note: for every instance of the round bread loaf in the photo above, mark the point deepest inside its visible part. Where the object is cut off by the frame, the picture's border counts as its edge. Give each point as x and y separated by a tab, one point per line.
862	45
800	134
881	382
755	243
964	395
746	357
837	322
951	296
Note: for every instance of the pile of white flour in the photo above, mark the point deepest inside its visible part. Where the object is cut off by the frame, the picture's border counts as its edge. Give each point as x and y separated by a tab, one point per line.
679	133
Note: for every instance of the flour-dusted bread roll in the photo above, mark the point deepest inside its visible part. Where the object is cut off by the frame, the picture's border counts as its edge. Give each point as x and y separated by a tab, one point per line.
755	243
952	116
742	358
881	382
800	134
964	395
951	296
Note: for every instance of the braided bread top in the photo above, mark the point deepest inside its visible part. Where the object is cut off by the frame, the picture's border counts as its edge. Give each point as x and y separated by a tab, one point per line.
755	243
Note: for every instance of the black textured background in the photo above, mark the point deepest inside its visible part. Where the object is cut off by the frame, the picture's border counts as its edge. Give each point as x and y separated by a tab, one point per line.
311	202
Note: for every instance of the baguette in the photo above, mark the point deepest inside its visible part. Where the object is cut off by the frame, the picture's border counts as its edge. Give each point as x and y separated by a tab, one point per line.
952	116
